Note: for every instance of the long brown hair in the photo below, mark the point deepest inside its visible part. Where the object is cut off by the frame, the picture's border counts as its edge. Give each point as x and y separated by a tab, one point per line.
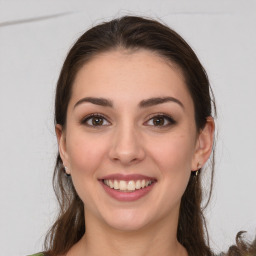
132	33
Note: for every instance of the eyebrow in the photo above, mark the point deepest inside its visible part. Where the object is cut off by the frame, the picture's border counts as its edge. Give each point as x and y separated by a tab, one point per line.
97	101
143	104
155	101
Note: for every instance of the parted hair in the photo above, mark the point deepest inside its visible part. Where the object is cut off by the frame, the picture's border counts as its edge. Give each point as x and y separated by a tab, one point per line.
132	33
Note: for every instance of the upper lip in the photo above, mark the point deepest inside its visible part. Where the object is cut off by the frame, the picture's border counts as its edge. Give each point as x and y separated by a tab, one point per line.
127	177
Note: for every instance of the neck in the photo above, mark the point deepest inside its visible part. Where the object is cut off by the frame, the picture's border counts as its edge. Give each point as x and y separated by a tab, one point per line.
101	239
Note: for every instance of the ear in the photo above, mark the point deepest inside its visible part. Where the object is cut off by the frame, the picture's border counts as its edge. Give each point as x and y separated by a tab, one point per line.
61	137
204	145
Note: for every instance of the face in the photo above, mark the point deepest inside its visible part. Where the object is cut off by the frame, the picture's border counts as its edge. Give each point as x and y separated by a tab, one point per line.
130	140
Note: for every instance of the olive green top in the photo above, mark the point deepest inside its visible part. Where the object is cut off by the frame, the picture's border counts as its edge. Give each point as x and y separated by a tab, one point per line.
37	254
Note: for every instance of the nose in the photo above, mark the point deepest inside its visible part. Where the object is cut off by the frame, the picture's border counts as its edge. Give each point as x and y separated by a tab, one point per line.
127	145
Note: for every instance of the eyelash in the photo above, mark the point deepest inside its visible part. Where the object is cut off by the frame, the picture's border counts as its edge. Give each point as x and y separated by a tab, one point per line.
87	118
169	119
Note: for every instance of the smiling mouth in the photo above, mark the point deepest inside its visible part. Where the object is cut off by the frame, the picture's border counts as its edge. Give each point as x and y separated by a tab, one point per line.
128	186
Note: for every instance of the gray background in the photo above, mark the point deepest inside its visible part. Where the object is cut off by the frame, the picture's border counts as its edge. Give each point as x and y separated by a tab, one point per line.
34	39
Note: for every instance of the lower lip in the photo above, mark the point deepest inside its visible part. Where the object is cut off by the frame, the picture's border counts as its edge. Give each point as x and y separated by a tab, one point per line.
127	196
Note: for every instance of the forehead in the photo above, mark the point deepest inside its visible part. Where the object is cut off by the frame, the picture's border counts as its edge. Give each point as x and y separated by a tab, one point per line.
130	76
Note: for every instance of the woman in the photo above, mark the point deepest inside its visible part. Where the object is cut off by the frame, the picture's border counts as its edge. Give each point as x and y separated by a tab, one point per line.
134	123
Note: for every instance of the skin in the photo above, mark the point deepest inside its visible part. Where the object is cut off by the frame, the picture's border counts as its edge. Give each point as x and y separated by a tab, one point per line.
128	141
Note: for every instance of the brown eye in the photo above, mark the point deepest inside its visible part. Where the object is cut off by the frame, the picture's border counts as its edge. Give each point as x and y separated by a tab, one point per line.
95	121
158	121
161	121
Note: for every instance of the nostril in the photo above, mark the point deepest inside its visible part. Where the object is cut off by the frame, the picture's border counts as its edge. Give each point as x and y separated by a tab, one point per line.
126	157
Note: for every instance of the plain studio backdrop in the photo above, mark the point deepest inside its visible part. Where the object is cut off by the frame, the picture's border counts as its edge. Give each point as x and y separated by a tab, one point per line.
34	39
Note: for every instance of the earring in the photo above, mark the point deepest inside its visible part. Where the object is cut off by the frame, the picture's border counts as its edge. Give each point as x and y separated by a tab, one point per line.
198	169
66	171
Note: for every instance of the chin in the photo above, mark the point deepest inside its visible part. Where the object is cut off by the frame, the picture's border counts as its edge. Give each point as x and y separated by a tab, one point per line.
126	226
127	221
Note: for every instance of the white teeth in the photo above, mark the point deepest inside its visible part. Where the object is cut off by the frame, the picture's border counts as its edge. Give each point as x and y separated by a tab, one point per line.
116	184
130	185
138	184
111	184
122	185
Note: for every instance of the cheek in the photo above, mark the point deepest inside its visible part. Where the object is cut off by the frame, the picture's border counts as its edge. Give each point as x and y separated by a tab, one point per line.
85	156
173	155
85	153
173	159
